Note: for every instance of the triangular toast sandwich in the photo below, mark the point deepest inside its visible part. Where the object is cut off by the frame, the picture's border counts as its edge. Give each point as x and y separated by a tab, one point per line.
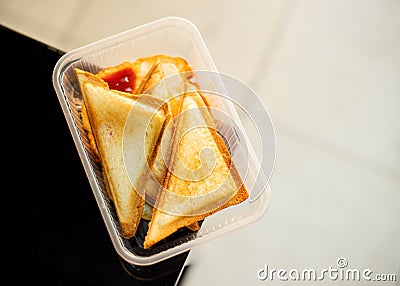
166	81
198	183
107	113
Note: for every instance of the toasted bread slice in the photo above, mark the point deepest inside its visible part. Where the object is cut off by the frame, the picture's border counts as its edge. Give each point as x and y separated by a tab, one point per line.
141	69
107	112
198	183
165	80
168	90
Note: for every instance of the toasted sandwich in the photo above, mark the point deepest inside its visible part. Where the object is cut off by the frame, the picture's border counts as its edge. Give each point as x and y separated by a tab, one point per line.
107	112
165	80
135	157
139	75
198	183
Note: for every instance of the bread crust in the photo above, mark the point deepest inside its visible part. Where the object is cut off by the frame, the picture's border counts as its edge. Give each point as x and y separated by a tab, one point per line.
107	112
129	208
164	223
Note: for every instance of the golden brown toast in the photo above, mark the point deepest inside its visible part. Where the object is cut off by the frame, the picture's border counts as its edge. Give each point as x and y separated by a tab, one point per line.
142	69
198	183
107	112
165	80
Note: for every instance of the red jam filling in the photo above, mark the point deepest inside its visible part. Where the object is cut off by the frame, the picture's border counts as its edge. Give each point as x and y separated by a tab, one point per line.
122	80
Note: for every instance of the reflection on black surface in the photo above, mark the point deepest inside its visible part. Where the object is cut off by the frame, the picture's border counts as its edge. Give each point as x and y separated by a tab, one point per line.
52	227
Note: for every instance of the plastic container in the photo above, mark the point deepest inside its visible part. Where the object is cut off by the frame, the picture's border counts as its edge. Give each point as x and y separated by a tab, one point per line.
175	37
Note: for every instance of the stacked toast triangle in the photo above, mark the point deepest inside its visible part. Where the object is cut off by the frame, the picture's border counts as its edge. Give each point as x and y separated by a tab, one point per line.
154	135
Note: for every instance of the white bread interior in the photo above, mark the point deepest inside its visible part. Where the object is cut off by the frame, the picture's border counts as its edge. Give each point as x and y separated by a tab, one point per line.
197	184
107	112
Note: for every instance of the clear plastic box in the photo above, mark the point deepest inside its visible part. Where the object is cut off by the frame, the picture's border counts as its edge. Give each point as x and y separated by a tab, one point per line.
175	37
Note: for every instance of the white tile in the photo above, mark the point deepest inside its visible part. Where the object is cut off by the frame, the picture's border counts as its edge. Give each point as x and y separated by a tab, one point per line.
336	78
322	208
235	32
328	71
45	20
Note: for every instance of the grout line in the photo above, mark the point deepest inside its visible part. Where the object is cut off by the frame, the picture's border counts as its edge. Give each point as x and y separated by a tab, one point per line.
272	46
317	142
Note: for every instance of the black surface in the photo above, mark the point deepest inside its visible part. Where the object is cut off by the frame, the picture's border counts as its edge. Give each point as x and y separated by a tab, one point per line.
52	231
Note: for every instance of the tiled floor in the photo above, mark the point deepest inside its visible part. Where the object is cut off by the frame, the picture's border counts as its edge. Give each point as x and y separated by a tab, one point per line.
329	74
